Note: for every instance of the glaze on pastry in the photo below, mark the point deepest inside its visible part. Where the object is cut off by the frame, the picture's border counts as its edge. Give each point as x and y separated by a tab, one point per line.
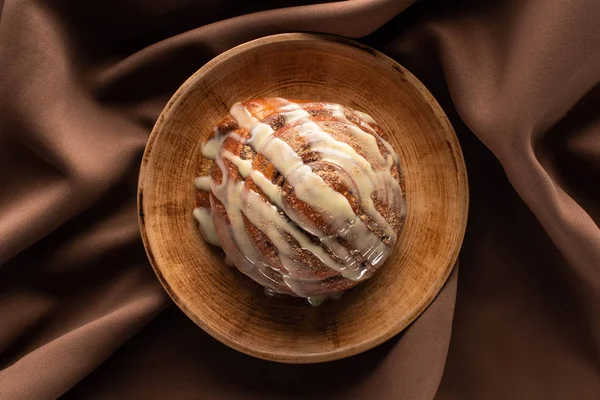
305	198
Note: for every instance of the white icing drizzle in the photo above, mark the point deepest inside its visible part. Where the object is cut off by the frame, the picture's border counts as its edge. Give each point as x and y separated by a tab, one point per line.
316	301
211	147
204	218
368	178
202	183
365	117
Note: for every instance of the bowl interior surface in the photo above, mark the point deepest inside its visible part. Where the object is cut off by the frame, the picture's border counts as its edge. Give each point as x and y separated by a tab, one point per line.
230	306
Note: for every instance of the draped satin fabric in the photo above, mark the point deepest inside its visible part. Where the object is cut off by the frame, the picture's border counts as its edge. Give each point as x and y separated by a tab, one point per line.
81	312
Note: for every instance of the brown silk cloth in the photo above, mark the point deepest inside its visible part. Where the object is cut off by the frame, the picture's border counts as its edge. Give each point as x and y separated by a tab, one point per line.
81	312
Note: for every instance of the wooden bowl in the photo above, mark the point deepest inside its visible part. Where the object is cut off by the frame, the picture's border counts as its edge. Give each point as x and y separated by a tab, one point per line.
231	307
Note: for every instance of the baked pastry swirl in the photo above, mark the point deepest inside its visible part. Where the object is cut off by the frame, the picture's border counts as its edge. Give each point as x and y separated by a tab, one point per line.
303	197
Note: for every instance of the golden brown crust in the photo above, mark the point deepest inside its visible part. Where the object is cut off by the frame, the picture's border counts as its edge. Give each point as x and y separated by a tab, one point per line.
323	279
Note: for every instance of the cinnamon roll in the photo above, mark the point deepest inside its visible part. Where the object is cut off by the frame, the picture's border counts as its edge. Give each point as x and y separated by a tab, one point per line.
303	197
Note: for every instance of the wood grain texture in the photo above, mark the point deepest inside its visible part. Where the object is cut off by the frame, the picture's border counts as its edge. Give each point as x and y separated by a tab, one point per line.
228	305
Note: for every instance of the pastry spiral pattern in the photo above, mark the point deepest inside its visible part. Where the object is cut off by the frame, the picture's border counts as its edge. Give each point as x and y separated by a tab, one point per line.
305	198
